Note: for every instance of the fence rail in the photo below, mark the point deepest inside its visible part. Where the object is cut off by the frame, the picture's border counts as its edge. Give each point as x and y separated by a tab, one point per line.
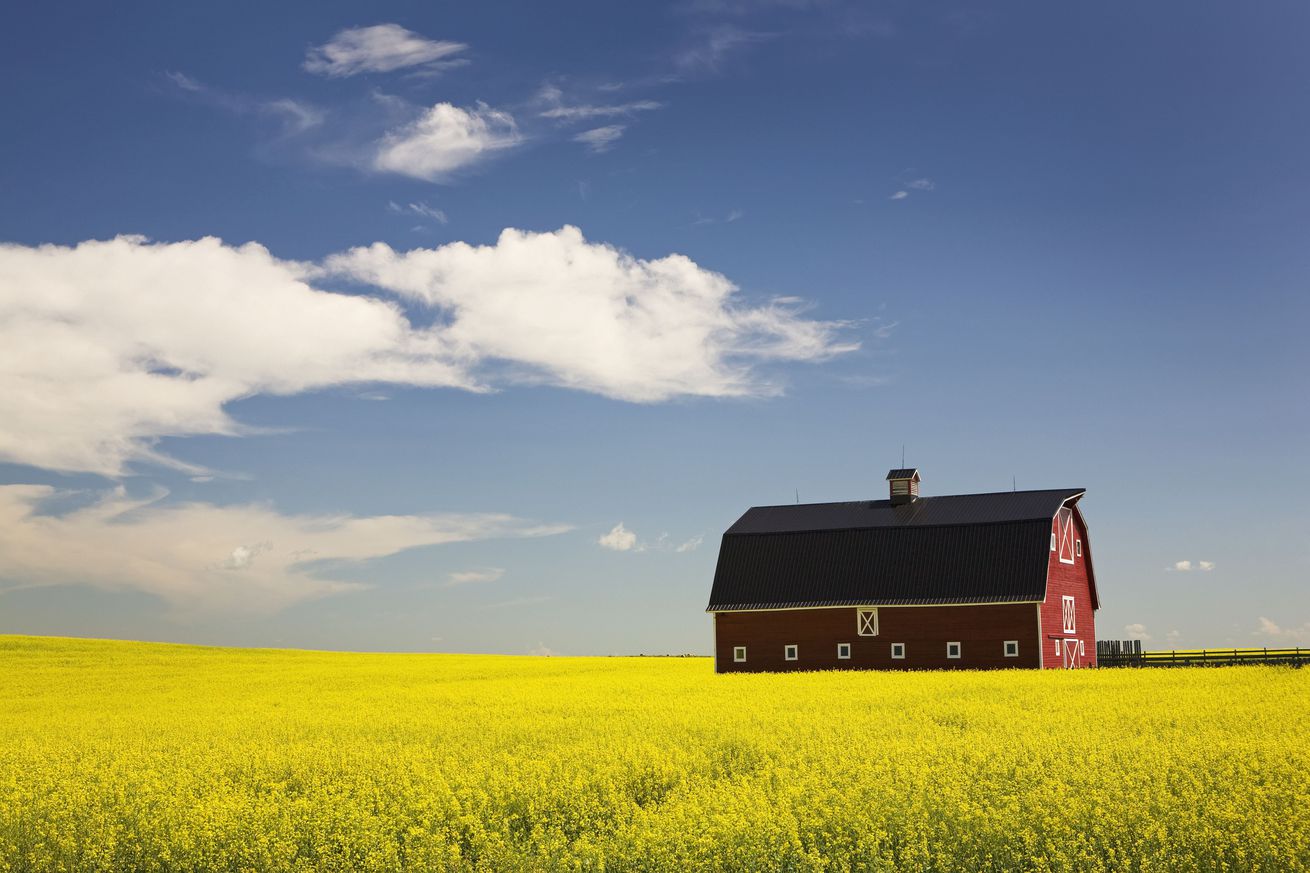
1129	653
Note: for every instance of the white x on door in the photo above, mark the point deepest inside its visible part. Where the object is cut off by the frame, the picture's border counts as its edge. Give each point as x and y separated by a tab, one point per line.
1072	655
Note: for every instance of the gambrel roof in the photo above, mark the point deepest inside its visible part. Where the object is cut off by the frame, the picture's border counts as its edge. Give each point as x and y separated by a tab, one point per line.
966	548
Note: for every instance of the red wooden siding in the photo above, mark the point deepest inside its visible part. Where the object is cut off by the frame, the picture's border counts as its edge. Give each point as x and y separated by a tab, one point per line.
1063	580
925	630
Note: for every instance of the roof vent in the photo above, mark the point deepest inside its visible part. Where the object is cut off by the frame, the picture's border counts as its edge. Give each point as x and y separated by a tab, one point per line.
904	485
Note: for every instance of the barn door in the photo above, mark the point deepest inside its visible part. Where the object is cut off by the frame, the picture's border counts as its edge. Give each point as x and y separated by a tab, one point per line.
1072	654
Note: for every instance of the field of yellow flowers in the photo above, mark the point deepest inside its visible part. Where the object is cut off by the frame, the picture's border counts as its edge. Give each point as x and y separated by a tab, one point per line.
138	757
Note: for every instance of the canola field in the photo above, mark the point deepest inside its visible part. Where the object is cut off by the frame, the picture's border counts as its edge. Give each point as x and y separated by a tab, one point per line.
143	757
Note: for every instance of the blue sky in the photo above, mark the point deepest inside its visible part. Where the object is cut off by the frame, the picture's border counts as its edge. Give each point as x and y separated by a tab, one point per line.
637	269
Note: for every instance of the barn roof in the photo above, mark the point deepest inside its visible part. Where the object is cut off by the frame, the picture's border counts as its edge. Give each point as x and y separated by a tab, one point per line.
966	548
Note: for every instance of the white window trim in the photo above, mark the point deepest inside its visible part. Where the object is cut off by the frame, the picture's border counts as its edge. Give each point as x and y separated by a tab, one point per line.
1058	650
791	652
847	647
739	654
1053	541
871	623
959	650
1008	652
901	656
1078	548
1068	612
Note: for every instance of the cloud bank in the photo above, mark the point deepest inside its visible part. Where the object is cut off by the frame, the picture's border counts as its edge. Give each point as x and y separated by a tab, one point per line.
108	346
203	558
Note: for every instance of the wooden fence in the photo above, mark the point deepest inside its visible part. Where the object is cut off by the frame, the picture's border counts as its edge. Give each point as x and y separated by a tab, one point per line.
1129	653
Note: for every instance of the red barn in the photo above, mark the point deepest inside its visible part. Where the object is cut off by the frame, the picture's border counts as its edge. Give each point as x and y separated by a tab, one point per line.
966	580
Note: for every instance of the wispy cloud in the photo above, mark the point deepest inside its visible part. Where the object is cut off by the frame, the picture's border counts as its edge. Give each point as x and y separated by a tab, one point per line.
108	346
690	545
1189	566
420	208
468	577
445	139
600	139
733	215
707	51
552	96
912	185
293	116
382	48
620	539
202	558
1292	635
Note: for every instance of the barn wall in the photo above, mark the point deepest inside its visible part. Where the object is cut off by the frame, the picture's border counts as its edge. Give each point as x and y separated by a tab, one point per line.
1070	579
925	630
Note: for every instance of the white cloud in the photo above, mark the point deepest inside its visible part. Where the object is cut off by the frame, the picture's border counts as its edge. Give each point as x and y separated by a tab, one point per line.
381	48
541	650
585	315
692	544
619	539
1137	631
444	139
1292	635
899	195
600	139
1173	637
421	209
467	577
105	347
201	558
1205	566
1181	566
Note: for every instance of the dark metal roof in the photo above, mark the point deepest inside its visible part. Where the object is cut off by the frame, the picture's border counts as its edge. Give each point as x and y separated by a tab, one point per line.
904	473
967	548
925	511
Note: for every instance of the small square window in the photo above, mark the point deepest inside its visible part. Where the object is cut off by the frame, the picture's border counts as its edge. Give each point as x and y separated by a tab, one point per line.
739	654
952	650
1078	548
844	651
1011	648
898	650
791	652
